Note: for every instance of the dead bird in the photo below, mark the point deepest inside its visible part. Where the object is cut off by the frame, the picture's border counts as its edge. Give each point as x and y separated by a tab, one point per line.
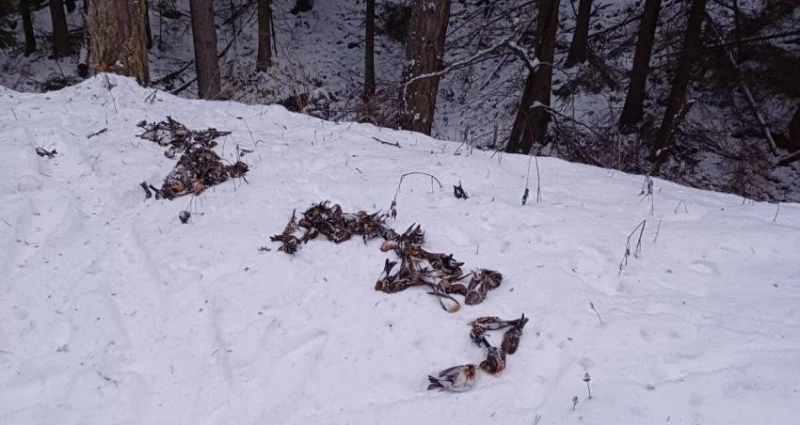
512	336
456	379
476	292
495	359
489	278
289	242
477	334
493	323
44	152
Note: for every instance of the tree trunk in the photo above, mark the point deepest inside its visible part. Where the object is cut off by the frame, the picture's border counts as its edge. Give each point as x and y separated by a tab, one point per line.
205	49
61	44
120	47
70	5
27	26
424	55
677	96
147	24
794	127
369	52
577	50
301	6
633	110
264	59
531	123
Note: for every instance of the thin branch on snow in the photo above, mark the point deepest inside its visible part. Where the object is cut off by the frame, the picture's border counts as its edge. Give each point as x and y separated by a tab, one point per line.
788	159
591	304
383	142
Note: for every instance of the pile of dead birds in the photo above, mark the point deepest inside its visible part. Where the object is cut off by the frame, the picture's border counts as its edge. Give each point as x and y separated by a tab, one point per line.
440	273
462	378
198	167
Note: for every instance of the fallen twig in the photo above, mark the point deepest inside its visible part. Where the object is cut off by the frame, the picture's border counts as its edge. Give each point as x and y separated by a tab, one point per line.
591	304
788	159
97	133
395	144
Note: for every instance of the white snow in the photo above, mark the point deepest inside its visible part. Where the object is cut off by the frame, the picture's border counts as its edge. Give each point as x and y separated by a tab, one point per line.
112	312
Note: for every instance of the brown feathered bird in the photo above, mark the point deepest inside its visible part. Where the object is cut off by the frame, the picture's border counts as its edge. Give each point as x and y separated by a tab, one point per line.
511	337
495	360
456	379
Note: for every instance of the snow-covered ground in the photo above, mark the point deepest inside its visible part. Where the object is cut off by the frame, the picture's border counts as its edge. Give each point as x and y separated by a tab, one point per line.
113	312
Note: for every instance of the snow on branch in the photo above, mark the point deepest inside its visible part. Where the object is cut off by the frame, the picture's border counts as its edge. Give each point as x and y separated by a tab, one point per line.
508	43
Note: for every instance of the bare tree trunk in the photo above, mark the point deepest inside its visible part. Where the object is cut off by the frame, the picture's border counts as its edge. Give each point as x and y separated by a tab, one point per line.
264	59
205	49
633	110
424	55
27	26
147	24
61	44
577	50
369	52
677	96
531	123
794	127
119	47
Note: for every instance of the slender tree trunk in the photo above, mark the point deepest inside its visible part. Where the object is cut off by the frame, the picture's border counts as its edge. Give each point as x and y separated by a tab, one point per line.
633	110
677	96
61	44
424	55
205	49
737	28
147	24
580	39
369	52
119	48
264	59
531	123
794	127
27	26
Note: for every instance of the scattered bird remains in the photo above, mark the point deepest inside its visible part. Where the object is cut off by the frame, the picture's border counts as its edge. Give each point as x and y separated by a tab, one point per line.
461	378
440	273
198	167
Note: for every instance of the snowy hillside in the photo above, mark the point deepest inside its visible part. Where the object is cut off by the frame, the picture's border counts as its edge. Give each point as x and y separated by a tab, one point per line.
113	312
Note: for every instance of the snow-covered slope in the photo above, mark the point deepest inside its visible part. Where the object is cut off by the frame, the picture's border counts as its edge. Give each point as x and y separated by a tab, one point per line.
112	312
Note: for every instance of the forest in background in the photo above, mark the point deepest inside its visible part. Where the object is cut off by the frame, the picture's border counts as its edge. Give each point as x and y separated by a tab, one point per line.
701	92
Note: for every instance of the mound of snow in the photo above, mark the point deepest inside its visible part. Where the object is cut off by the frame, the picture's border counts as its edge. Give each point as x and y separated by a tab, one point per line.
112	312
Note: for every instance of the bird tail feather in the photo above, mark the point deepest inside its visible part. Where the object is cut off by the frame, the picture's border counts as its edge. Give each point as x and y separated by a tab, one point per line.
434	384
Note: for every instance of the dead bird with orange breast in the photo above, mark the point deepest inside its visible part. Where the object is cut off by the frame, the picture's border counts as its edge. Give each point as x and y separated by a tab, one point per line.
455	379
